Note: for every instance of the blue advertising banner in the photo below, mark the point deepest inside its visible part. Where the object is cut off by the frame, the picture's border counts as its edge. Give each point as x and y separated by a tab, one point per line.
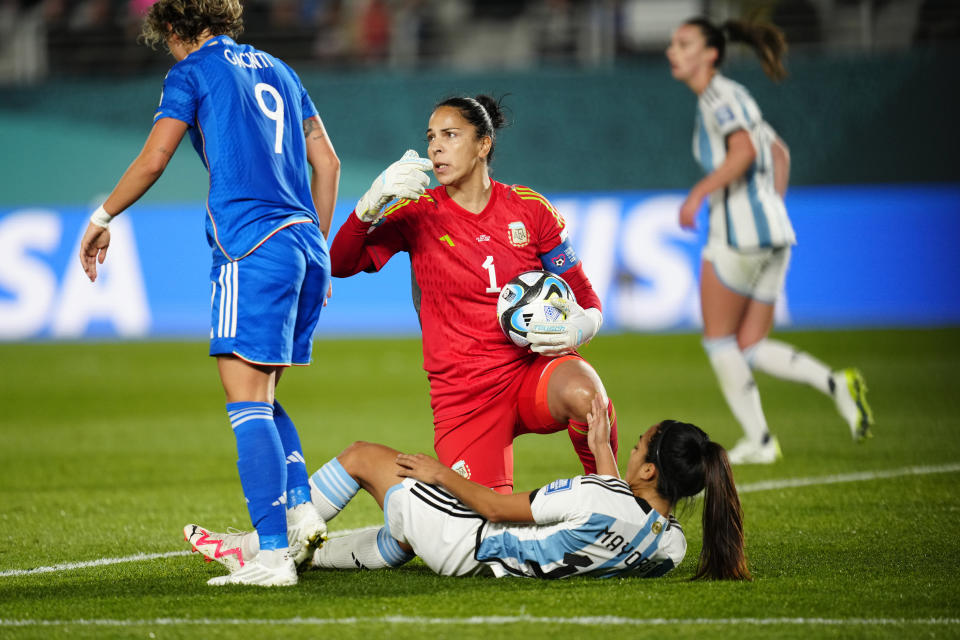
866	257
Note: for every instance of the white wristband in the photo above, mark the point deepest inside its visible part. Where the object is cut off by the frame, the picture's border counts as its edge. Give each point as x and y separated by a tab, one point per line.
101	218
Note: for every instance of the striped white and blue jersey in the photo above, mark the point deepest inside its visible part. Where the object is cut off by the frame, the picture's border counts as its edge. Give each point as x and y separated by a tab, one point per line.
245	111
748	213
586	525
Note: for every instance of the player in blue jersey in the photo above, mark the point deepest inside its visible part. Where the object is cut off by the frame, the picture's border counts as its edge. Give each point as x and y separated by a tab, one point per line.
273	184
750	236
597	525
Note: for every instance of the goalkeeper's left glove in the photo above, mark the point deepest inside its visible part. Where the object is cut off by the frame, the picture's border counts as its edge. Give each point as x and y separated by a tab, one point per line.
559	338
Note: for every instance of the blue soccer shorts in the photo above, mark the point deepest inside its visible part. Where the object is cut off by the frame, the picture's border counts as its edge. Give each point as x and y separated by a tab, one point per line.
265	306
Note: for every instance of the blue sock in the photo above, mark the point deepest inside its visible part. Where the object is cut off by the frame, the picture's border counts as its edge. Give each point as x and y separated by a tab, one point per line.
333	489
263	474
298	485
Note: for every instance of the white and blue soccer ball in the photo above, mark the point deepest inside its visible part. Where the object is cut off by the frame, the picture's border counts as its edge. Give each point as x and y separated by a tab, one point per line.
525	301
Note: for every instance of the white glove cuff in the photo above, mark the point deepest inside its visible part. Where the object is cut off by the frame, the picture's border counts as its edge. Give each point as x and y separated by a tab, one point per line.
596	318
363	215
367	211
101	218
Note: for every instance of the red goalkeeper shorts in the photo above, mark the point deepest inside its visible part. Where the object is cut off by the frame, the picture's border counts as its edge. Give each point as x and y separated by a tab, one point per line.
479	445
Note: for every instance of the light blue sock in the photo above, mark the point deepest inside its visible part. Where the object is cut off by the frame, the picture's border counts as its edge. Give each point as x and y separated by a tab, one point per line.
298	485
363	549
390	549
263	472
331	489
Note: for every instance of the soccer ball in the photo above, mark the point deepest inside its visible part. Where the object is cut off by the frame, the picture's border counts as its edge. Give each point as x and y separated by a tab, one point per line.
525	301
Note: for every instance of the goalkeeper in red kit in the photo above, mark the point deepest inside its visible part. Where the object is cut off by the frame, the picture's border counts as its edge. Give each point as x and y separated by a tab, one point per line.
466	238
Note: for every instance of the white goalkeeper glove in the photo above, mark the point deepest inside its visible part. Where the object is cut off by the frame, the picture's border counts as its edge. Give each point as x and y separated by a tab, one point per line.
559	338
405	178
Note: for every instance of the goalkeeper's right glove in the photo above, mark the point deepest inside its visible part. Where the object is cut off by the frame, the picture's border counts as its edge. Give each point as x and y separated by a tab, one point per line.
405	178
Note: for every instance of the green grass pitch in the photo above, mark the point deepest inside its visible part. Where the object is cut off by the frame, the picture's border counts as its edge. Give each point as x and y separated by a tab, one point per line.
107	450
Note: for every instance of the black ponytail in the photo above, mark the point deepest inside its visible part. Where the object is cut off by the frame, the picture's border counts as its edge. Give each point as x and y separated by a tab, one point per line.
687	463
766	40
721	557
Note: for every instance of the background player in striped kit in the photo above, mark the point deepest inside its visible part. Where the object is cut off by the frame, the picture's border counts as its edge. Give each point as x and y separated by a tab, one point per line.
466	238
597	525
256	130
746	257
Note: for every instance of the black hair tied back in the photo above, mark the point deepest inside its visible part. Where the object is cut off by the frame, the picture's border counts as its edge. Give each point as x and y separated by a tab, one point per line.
483	112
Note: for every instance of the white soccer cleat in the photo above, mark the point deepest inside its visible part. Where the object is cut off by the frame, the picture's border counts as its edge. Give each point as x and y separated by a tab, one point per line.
268	569
747	451
306	531
225	548
850	395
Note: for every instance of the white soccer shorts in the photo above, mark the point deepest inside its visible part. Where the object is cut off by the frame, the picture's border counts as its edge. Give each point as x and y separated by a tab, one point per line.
758	274
441	530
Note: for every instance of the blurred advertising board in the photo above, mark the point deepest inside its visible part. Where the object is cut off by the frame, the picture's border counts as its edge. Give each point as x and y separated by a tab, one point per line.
871	256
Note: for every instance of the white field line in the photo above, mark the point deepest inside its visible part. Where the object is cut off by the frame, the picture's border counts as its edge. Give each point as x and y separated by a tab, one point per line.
102	562
488	620
68	566
769	485
860	476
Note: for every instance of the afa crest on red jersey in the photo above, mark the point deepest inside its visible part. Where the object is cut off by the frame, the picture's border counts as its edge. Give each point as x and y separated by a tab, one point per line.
517	233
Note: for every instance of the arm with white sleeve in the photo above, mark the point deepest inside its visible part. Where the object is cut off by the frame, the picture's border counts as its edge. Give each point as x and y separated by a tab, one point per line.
727	116
740	155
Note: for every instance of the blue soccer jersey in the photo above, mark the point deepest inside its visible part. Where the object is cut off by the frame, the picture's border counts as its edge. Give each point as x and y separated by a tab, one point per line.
245	111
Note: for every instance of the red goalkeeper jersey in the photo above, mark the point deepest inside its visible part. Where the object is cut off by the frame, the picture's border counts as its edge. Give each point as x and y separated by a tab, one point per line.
460	260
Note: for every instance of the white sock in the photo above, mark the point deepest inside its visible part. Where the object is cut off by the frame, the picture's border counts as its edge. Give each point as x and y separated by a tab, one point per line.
785	361
327	510
273	558
367	549
738	386
250	542
250	545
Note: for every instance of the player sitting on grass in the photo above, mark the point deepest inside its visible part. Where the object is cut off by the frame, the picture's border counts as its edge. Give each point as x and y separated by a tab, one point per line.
594	524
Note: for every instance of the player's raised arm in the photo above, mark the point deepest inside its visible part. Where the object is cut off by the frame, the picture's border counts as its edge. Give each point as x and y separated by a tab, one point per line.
493	506
598	437
405	178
